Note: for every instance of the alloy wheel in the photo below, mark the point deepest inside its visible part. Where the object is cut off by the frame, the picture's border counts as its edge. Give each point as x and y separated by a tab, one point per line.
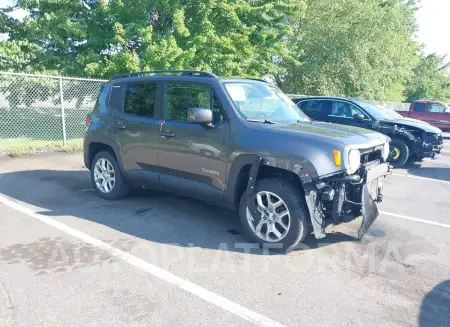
104	175
273	221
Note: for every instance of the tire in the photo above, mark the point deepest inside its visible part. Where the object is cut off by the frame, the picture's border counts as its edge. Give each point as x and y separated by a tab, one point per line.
120	187
398	153
297	210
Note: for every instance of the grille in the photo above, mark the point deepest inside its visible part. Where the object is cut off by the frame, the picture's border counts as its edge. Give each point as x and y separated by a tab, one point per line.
433	138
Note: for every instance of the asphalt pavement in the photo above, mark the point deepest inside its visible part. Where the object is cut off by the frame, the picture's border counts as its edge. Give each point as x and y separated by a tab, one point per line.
69	258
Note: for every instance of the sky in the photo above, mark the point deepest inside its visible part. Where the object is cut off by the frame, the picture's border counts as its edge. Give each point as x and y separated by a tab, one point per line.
433	19
434	26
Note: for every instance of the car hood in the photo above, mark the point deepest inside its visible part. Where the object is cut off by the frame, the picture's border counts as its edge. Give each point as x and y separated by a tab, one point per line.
414	120
354	137
418	124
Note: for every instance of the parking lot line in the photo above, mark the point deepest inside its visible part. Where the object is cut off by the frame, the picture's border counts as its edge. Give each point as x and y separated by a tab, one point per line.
438	161
422	178
156	271
429	222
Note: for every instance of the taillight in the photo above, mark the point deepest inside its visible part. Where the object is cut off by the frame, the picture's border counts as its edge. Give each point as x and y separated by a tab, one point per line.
88	120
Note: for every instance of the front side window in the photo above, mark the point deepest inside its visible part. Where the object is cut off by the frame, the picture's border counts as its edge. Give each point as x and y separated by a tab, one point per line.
346	110
140	99
182	96
262	101
218	111
436	107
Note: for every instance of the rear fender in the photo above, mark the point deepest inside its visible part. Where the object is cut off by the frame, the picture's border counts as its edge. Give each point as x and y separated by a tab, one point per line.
102	139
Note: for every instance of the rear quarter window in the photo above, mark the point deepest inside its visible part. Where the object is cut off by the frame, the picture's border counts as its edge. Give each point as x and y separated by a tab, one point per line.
116	96
102	99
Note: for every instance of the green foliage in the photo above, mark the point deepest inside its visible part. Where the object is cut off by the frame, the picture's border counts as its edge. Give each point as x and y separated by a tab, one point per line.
101	38
352	48
329	47
431	79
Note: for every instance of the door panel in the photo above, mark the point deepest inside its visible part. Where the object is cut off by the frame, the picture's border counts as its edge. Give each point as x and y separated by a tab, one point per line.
134	128
195	153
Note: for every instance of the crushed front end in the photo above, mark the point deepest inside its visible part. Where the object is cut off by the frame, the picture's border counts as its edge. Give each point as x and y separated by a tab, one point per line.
422	144
344	197
428	145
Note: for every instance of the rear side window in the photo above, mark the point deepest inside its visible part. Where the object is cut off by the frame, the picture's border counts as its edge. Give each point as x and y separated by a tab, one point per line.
182	96
316	109
140	99
419	106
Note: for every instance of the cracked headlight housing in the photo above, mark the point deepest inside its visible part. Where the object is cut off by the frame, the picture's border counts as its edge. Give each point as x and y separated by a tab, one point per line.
386	151
354	161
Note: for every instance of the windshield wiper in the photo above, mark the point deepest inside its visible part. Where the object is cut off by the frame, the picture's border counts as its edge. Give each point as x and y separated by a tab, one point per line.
265	121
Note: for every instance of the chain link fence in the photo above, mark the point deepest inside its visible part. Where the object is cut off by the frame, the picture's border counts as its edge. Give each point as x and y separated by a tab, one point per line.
39	111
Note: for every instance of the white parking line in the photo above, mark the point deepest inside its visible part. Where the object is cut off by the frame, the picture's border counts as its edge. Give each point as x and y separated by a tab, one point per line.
429	222
422	178
182	283
438	161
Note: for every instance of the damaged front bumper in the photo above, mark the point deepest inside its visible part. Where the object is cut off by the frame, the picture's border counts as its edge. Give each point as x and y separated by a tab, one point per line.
429	145
343	198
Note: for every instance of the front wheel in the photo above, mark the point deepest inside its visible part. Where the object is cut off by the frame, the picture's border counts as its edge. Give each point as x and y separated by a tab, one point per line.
279	221
398	153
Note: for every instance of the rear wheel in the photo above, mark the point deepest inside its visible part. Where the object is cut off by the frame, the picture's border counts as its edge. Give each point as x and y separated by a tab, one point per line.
280	219
398	153
107	177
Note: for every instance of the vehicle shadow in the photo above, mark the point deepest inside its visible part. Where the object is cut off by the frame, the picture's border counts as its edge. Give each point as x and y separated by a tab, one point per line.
149	215
435	307
438	173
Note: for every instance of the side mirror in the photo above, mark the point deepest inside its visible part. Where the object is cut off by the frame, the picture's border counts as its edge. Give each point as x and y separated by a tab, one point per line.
199	116
358	117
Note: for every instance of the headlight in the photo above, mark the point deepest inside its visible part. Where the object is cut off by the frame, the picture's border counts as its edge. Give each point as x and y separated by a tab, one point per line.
386	150
354	161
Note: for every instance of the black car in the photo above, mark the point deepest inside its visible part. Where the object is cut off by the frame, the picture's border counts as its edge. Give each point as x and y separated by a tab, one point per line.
236	143
410	139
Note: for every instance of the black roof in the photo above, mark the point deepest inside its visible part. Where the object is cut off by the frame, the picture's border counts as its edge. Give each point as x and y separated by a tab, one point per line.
321	97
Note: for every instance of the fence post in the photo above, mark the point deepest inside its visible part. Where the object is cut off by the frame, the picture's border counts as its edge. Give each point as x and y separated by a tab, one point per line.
63	116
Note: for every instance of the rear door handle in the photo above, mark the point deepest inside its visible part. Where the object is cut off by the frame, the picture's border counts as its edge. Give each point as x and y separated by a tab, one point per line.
119	126
167	134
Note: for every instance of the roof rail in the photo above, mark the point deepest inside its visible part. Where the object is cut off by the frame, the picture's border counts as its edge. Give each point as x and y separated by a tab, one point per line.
167	72
257	79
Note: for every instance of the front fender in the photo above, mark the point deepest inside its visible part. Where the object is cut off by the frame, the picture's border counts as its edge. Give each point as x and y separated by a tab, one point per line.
242	164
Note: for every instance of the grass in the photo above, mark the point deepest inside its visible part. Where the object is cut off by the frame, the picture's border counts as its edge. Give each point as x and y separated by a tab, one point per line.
15	147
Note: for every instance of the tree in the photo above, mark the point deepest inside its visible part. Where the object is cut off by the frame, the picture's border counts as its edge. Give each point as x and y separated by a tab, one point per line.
431	79
352	48
101	38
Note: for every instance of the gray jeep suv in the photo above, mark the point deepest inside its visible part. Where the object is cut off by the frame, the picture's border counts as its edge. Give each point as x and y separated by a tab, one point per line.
236	143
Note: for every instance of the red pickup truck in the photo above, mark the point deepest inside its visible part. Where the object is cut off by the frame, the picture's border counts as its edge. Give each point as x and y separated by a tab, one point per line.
435	113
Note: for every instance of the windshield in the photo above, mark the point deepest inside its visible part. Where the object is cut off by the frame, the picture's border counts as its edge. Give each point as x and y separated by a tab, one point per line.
377	112
263	102
393	113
